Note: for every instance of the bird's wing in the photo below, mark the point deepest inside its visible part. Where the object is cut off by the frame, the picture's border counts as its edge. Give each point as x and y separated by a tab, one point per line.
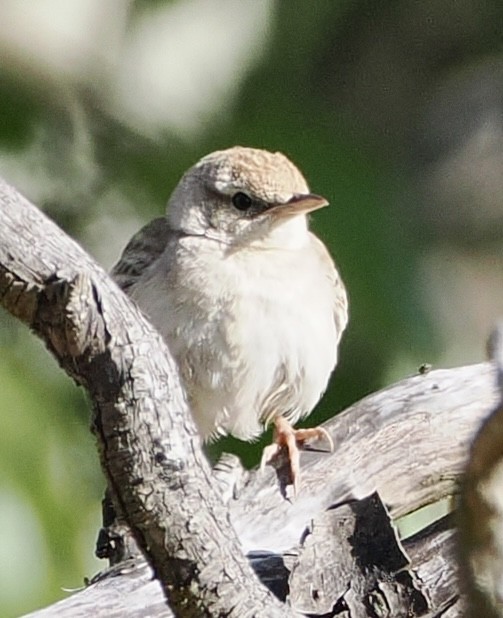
144	248
340	306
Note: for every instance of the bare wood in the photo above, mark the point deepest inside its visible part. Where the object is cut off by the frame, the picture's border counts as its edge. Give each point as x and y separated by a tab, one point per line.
408	442
427	588
148	444
481	510
432	555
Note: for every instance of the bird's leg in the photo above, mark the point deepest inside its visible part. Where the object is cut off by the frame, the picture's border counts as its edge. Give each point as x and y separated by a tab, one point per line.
285	436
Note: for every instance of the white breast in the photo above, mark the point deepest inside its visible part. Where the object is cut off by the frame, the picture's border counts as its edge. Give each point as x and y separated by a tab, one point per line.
253	332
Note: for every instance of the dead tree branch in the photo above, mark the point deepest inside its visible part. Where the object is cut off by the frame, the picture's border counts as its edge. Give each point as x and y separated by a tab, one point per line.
149	448
331	551
481	512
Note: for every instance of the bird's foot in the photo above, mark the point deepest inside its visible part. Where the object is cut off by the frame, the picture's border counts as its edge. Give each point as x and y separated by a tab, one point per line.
287	438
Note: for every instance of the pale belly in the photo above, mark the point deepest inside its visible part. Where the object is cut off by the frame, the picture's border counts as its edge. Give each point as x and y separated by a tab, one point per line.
266	350
248	348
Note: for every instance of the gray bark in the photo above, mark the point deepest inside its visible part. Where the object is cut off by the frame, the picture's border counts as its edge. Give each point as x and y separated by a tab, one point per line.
481	508
149	447
330	551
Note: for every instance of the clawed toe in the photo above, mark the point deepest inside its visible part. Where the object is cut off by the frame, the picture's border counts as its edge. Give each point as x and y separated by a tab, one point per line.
288	438
316	433
268	454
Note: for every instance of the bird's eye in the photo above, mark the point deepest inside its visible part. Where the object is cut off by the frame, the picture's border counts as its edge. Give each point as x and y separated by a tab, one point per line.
241	201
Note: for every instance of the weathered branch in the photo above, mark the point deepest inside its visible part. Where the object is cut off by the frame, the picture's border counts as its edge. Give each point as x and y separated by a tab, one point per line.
396	450
390	442
148	444
481	509
409	442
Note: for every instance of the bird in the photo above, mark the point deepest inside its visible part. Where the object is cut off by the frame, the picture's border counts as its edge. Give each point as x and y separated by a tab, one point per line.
247	298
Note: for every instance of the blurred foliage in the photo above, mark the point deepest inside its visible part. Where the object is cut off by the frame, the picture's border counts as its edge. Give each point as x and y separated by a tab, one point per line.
341	88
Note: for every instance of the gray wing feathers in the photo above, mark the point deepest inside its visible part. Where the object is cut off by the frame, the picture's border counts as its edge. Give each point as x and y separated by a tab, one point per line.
340	295
340	305
144	248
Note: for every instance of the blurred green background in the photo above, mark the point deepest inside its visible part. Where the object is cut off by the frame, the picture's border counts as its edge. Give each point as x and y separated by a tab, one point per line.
394	112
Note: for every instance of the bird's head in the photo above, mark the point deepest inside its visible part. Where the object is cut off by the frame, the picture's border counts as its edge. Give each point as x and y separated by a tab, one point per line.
243	196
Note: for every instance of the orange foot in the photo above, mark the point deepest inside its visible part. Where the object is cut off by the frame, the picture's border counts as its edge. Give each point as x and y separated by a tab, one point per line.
286	437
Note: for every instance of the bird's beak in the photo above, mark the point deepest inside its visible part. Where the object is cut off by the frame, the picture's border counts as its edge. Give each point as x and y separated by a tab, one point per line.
300	204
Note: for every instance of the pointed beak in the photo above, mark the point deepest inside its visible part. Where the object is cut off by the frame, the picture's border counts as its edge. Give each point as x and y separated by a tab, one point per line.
300	204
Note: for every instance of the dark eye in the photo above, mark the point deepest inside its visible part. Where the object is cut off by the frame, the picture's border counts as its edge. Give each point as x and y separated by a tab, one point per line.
241	201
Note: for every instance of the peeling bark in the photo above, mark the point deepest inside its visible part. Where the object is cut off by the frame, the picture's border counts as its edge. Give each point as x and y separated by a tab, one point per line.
481	509
149	447
331	551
